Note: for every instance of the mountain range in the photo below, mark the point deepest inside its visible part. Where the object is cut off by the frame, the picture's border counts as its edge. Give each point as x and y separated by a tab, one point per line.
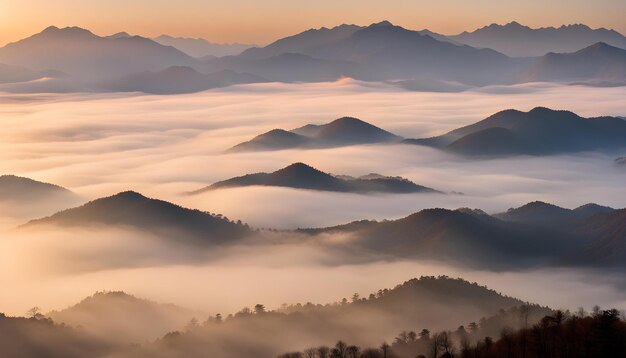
535	234
340	132
302	176
541	131
79	60
514	39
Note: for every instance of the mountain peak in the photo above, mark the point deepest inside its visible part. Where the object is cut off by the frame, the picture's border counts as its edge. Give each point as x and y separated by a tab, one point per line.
383	23
298	167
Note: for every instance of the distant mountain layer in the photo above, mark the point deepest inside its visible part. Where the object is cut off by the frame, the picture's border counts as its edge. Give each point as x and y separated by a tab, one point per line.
598	64
178	80
517	40
133	210
341	132
417	60
103	313
534	234
302	176
201	47
541	131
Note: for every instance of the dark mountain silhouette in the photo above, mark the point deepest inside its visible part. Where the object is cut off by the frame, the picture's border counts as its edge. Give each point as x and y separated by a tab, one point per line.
302	176
79	52
534	234
598	64
340	132
200	47
178	79
133	210
541	131
119	317
517	40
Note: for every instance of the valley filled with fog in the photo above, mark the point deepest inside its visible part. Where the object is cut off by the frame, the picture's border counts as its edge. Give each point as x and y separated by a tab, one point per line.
164	147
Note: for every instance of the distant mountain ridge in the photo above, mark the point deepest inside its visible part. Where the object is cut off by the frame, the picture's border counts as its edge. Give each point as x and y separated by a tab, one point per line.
302	176
340	132
514	39
541	131
379	52
197	47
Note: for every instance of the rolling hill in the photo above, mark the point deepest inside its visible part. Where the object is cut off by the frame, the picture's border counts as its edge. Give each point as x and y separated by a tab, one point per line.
302	176
541	131
133	210
340	132
107	315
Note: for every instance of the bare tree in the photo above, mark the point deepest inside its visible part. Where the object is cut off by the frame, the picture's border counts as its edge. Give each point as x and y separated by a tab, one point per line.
352	351
323	352
309	353
385	348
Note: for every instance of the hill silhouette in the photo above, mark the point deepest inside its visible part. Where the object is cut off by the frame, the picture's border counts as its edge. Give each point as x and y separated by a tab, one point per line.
541	131
133	210
340	132
119	317
302	176
514	39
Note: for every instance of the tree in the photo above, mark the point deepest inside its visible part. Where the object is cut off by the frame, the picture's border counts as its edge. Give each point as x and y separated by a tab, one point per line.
341	349
424	334
352	351
385	348
259	308
355	297
35	313
310	353
412	336
323	352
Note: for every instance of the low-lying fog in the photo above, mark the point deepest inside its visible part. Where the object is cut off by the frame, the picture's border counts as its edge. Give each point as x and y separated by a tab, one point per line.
163	146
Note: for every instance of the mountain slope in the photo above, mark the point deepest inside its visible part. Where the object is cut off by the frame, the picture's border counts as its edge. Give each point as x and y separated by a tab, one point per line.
541	131
78	52
302	176
133	210
517	40
177	79
340	132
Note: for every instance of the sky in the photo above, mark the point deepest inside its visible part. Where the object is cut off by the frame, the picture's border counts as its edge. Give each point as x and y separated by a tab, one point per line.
260	22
